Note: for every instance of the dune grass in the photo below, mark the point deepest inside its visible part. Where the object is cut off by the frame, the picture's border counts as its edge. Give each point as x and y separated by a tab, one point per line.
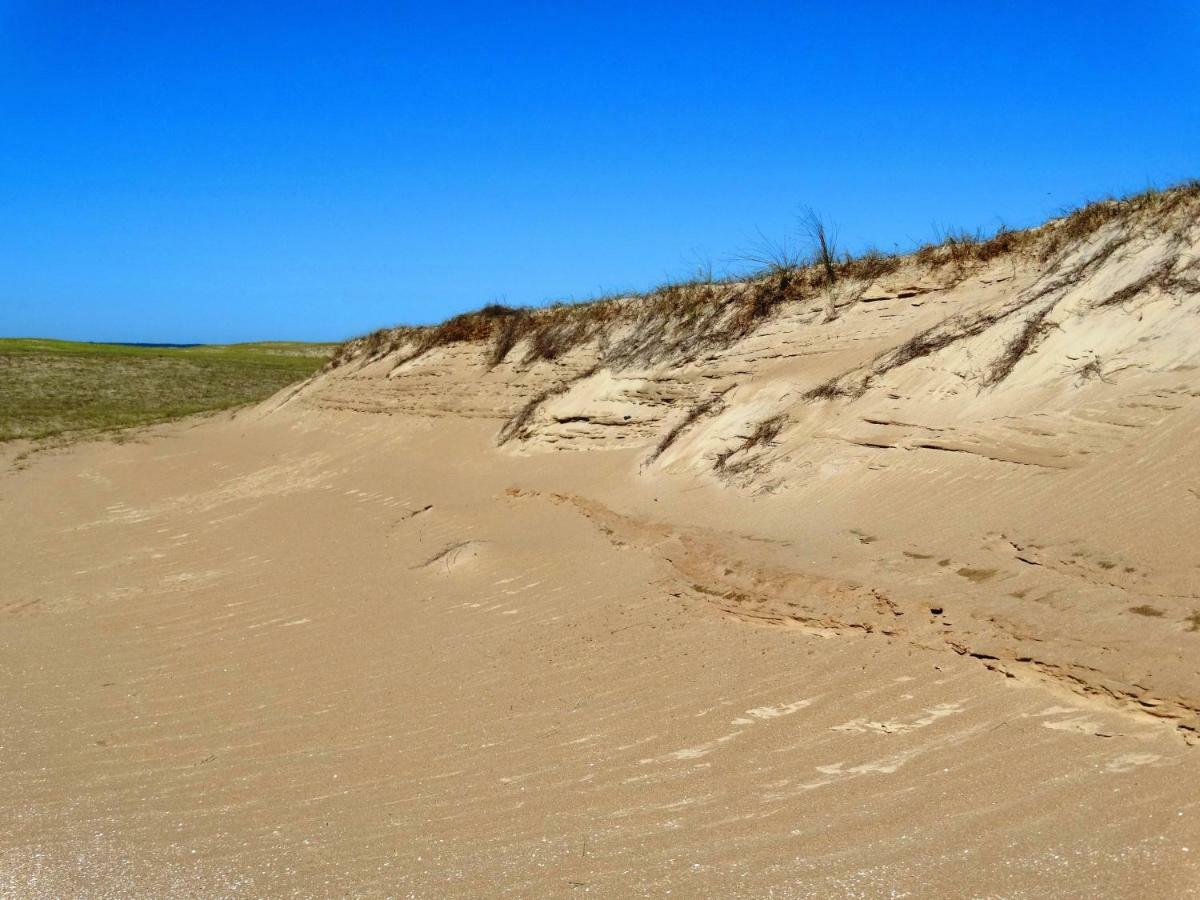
51	388
683	319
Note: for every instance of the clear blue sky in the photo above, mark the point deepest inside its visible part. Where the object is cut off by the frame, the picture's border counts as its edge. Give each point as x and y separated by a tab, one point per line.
220	172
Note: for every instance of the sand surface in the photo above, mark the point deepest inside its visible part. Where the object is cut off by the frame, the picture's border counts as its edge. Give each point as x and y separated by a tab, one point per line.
941	638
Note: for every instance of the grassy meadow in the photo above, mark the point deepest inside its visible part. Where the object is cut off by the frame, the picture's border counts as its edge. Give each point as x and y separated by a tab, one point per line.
51	388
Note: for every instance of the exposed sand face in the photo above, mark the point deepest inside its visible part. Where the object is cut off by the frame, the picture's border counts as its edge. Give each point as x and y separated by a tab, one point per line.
936	638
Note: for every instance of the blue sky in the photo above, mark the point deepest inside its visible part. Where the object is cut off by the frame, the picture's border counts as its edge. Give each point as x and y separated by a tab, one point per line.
222	172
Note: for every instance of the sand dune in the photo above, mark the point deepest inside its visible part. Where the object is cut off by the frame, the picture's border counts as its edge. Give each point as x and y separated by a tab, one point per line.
897	593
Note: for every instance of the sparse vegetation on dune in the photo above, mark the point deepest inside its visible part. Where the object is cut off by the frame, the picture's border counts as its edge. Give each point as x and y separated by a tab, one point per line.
823	243
709	406
517	426
682	320
763	435
1148	210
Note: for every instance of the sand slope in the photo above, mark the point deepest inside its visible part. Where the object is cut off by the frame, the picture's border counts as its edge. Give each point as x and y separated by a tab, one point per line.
934	630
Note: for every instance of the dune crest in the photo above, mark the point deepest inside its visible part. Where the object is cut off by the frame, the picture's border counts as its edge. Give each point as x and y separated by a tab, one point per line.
1058	376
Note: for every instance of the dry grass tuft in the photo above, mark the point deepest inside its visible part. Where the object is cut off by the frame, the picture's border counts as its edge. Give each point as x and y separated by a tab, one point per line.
1093	368
508	333
1021	345
822	241
1160	204
830	389
763	435
966	251
1078	225
707	407
1096	369
1159	276
518	425
870	266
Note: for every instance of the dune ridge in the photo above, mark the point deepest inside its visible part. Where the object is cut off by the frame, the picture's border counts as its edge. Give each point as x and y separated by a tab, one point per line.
1071	349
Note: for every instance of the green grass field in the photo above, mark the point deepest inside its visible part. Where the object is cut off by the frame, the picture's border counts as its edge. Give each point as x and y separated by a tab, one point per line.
50	388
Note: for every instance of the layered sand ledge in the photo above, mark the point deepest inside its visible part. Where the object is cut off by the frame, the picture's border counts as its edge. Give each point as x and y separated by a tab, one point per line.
897	591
